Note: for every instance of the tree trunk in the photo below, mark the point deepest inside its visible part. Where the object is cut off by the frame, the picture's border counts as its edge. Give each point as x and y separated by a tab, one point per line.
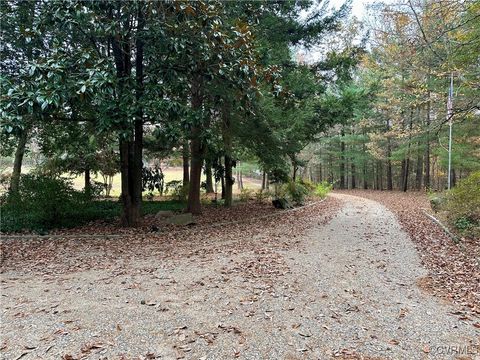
18	161
196	150
88	185
27	14
264	178
186	166
227	146
209	178
426	180
419	171
389	161
131	140
194	205
354	185
342	162
407	160
365	181
222	179
228	181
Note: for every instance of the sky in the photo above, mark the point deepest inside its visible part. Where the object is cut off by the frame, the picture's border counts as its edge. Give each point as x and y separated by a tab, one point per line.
359	7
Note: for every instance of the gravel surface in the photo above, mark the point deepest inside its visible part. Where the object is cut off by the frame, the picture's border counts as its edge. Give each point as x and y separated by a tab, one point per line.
342	289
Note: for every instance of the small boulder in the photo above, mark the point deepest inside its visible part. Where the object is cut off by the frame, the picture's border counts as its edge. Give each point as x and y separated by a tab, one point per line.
181	219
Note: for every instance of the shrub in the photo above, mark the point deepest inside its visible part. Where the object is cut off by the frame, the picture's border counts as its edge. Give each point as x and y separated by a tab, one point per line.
262	195
323	189
437	202
177	190
246	194
297	192
41	203
96	189
463	205
308	184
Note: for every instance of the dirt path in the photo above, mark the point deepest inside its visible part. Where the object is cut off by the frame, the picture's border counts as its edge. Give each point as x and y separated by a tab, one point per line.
345	289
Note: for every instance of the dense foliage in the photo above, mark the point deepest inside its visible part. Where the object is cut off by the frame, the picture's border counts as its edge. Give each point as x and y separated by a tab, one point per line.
120	87
136	81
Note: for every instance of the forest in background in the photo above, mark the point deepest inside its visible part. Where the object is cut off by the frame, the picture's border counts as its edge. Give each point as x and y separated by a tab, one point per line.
398	135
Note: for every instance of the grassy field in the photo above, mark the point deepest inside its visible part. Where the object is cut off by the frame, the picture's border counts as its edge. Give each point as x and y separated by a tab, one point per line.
173	173
170	175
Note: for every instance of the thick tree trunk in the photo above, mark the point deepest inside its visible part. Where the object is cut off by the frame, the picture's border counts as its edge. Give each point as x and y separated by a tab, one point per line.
264	178
228	181
209	178
18	161
196	150
131	141
186	166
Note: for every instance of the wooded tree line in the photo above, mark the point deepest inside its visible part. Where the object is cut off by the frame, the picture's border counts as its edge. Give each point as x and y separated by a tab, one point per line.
96	86
398	135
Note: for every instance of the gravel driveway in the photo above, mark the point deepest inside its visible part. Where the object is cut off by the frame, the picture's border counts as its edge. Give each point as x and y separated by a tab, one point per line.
345	289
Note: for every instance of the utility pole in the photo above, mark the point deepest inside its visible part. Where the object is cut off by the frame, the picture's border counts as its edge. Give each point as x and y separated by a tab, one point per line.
449	118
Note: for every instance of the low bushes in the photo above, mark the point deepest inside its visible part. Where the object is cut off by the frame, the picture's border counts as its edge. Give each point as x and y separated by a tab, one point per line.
45	203
322	189
462	205
297	192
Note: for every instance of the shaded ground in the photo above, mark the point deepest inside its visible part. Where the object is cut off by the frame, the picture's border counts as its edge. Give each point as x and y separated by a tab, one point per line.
336	279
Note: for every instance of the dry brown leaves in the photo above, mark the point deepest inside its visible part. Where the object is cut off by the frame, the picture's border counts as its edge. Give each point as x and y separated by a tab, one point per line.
454	270
239	227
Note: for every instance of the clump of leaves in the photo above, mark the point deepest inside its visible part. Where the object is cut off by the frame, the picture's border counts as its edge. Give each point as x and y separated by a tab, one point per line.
153	179
463	205
322	189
